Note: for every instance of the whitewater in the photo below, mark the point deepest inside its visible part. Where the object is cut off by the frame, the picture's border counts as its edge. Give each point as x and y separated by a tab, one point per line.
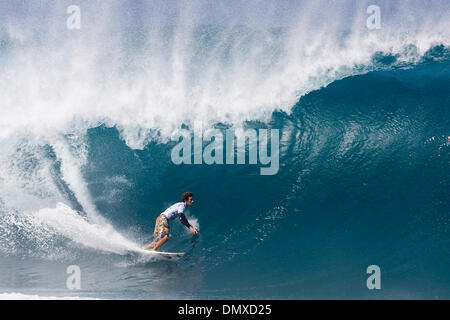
87	117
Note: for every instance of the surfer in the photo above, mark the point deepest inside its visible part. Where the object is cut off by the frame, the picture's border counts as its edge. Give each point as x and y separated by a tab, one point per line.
161	233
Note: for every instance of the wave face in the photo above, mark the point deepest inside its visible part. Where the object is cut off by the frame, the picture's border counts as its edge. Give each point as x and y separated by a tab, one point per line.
363	117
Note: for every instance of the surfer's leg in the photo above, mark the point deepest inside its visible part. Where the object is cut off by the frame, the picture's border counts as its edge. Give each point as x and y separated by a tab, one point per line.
158	227
161	233
150	245
160	242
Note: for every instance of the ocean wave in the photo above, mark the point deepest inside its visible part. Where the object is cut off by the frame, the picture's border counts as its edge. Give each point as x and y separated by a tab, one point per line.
150	81
87	120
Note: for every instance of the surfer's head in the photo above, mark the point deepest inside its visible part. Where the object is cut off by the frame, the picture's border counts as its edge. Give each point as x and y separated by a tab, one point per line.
187	198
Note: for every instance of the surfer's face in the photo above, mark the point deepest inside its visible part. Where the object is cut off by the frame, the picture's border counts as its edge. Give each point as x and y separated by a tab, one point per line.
189	202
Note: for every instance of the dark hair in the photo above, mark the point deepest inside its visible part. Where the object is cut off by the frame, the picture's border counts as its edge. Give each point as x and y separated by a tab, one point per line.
185	196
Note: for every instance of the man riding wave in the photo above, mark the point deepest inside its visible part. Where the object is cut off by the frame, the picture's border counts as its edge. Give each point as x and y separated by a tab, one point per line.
161	233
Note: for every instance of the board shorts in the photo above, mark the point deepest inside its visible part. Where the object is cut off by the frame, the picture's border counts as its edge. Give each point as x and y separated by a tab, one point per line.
161	228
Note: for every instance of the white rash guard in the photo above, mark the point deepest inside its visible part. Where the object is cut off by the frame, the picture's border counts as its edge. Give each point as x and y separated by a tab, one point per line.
177	210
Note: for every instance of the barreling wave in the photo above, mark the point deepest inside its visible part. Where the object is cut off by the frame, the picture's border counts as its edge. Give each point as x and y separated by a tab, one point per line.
363	115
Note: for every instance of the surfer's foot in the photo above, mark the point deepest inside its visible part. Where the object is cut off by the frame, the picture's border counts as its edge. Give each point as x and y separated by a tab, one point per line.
149	246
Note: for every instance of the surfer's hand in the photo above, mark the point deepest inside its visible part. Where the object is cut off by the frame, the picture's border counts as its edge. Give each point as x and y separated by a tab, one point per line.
194	231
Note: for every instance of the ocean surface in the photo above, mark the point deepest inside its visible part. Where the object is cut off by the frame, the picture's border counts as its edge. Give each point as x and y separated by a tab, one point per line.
364	151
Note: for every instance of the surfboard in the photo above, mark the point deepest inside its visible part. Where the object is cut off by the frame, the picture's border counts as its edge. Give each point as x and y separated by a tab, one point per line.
160	255
173	256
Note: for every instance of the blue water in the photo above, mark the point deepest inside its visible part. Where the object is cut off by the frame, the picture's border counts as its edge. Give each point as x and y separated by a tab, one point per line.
363	179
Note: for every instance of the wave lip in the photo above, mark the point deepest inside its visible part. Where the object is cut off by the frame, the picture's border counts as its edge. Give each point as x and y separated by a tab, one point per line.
148	82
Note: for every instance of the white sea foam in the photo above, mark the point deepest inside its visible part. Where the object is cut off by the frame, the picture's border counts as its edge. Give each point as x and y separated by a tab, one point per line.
43	228
68	223
55	81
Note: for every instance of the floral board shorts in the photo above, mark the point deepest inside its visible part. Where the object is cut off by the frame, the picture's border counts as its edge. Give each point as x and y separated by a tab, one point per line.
161	228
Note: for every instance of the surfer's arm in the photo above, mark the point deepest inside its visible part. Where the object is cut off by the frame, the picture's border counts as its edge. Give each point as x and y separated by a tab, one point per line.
186	223
183	220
